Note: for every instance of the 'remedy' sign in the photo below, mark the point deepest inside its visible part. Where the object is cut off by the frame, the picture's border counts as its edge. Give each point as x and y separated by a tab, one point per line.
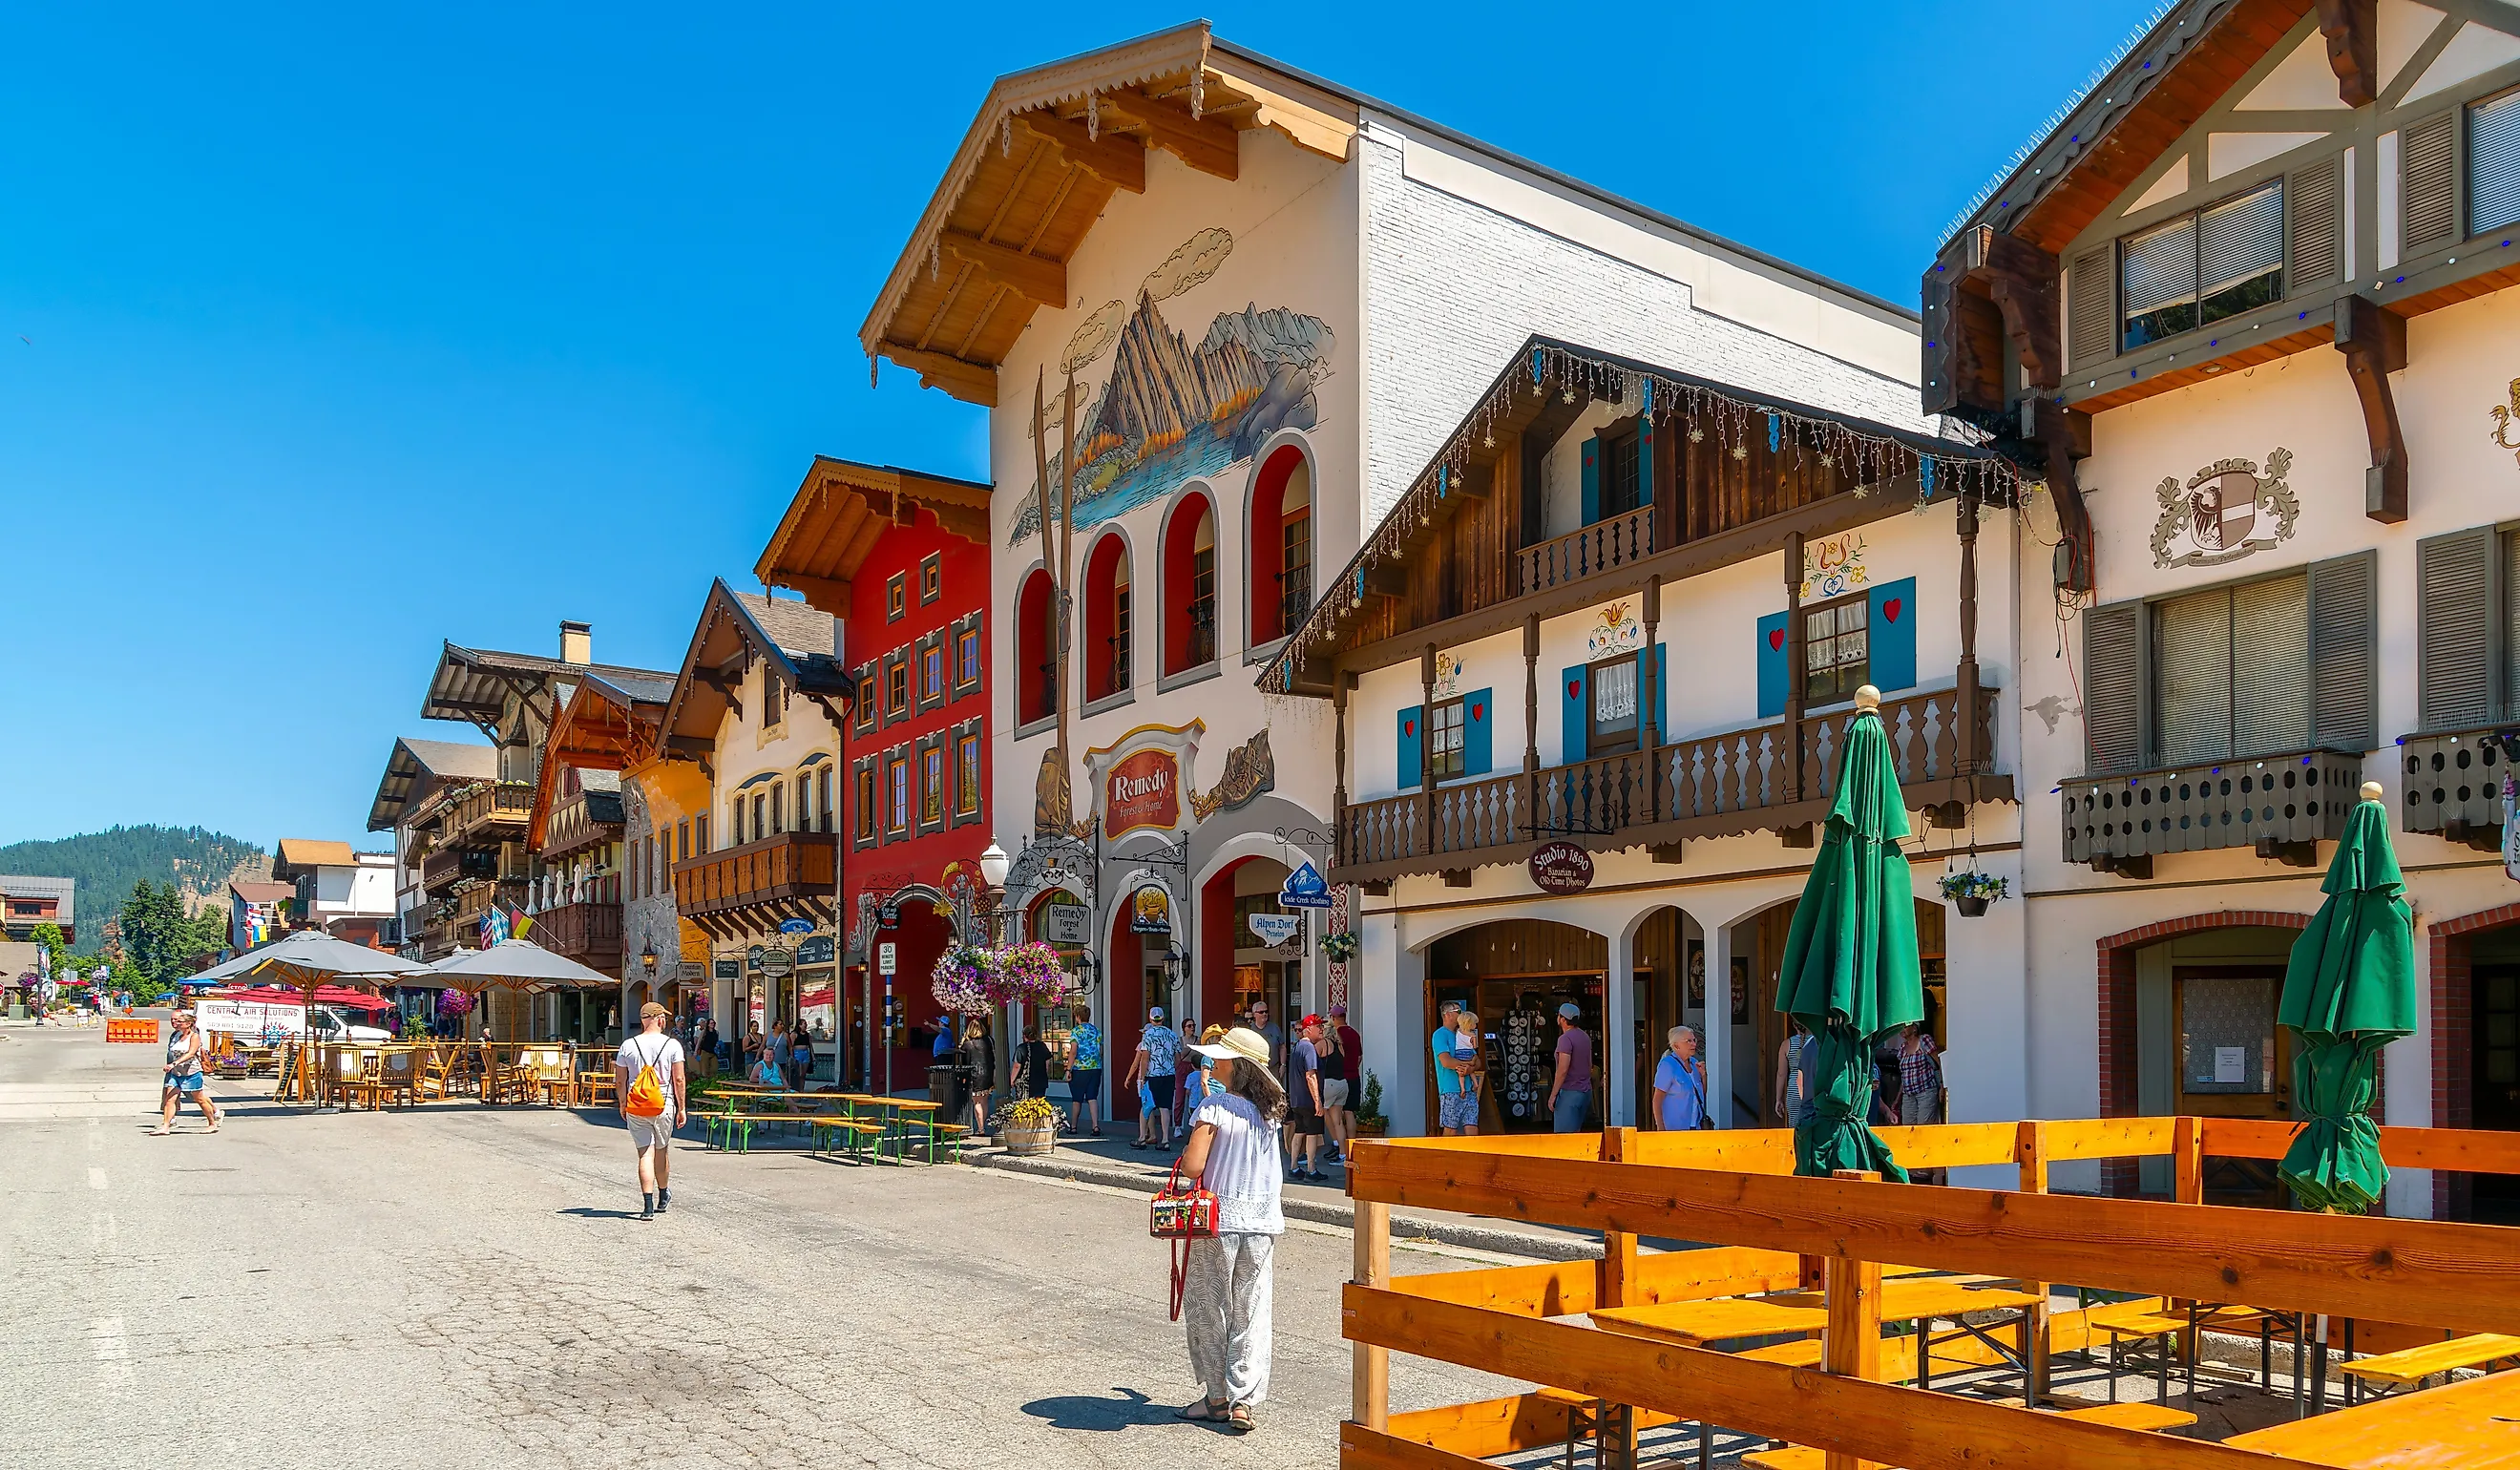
1142	790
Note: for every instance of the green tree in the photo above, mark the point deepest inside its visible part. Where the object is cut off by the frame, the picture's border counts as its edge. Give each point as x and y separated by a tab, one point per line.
159	939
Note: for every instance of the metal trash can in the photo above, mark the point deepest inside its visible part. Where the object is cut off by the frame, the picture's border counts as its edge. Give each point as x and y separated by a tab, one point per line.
948	1084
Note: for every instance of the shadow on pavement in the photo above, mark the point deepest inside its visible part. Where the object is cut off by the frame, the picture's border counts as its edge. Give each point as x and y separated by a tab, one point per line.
1127	1408
589	1212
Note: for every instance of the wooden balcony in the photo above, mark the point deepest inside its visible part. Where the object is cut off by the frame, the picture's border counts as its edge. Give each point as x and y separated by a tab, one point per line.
587	820
448	863
1605	545
2281	806
588	932
750	888
2454	785
1712	787
498	812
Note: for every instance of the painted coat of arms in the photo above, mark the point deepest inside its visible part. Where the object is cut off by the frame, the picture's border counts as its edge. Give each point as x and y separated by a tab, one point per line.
2228	509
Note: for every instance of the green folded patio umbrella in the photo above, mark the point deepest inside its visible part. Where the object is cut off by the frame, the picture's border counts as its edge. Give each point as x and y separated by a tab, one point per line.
2349	989
1850	970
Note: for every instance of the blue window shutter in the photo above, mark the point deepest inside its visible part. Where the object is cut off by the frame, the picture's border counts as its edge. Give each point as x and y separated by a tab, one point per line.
1893	634
1662	681
1592	480
1645	462
1774	681
1479	725
1577	711
1413	759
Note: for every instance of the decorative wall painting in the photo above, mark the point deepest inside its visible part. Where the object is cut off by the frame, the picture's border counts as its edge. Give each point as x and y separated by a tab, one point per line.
2506	419
1833	567
1615	631
2226	511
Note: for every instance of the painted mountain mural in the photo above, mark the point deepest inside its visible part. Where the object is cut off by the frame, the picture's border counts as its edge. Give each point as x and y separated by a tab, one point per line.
1170	412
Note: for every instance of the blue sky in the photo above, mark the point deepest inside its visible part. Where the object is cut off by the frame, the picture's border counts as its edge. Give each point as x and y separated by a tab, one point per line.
349	330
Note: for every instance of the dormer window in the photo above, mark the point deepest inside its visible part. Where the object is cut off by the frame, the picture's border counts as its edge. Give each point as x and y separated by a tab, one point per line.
2202	267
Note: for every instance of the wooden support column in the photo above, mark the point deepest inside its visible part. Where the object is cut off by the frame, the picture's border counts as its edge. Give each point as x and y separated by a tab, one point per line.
1648	685
1794	677
2374	341
1969	754
1617	1287
1531	692
1852	1348
1369	1367
1341	683
1426	752
2030	1152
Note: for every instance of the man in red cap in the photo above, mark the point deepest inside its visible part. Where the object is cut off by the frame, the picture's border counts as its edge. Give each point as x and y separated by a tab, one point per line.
1304	1103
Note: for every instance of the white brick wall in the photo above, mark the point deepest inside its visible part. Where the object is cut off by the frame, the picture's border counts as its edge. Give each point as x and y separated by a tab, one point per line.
1453	287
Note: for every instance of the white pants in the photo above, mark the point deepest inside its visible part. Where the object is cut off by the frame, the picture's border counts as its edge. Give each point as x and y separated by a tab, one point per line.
1225	1304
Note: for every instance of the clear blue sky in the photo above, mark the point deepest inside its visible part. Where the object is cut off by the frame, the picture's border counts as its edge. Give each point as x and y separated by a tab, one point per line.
352	328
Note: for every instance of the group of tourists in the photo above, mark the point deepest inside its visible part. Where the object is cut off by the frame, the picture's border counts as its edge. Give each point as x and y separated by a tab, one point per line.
1170	1071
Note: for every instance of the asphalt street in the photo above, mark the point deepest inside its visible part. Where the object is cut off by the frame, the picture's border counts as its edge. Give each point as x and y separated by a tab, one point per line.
462	1286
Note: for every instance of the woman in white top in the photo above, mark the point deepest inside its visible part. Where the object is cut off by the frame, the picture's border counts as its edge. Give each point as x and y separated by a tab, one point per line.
1233	1151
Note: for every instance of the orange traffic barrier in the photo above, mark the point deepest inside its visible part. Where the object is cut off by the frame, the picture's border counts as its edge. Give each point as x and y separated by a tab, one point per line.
139	1029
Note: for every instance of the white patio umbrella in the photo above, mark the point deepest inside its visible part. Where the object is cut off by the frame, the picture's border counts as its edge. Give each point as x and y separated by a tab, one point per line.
306	961
518	964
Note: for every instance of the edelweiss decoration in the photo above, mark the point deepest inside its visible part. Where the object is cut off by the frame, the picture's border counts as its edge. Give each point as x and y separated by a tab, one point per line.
2226	511
2507	418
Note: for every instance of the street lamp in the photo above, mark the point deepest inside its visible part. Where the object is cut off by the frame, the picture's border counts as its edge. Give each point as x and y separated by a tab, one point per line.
993	878
647	959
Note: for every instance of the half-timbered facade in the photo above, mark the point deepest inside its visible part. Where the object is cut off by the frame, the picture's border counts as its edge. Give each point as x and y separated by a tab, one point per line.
2253	304
1626	609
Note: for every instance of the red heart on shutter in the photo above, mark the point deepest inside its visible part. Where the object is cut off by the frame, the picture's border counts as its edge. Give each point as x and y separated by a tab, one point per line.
1777	638
1890	610
1408	727
1574	688
1478	711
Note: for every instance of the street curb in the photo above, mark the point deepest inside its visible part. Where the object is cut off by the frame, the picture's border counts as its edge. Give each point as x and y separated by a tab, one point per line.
1064	1163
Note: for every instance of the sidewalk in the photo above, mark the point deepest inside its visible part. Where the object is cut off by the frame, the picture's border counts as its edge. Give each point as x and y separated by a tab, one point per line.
1110	1160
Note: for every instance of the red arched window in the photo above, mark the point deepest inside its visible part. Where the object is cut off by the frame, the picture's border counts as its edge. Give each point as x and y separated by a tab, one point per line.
1108	652
1036	666
1190	586
1282	545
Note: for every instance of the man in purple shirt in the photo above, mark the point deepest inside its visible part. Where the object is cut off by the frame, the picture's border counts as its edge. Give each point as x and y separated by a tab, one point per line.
1570	1092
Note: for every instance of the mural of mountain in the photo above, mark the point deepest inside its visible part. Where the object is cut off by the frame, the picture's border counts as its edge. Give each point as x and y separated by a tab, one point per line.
1279	338
1161	390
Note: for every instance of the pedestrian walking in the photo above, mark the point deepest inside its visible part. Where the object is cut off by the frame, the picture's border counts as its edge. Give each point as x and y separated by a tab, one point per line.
1920	1086
1570	1087
801	1056
1350	1043
1188	1080
183	1077
650	1079
1460	1111
1795	1064
708	1057
1158	1052
980	1061
1680	1084
1277	1037
1439	1045
1085	1077
1336	1065
1304	1102
1227	1284
1032	1061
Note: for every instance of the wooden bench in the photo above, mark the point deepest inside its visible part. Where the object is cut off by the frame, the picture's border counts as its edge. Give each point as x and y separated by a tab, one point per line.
2140	1416
832	1135
2140	1323
729	1130
2390	1372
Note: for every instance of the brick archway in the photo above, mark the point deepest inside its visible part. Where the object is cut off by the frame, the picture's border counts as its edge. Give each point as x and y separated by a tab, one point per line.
2453	1003
2117	1042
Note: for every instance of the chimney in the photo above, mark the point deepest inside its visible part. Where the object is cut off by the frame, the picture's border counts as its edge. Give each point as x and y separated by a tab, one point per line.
576	641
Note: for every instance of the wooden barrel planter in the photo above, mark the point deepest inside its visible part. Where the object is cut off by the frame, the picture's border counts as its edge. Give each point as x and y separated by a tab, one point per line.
1027	1138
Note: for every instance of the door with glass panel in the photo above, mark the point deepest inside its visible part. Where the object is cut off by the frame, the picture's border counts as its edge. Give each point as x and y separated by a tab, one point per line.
2233	1061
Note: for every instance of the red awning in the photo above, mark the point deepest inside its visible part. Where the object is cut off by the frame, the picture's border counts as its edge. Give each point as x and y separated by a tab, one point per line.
325	995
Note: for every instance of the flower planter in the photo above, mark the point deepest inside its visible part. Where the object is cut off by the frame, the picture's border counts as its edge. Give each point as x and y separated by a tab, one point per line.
1971	906
1373	1127
1024	1139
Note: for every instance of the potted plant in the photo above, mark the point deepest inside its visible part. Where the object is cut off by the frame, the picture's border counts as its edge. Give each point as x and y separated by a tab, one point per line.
1340	948
1370	1121
1973	891
1030	1126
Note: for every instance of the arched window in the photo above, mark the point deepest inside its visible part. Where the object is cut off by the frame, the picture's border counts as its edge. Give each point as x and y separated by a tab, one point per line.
1190	586
1282	545
1108	652
1036	662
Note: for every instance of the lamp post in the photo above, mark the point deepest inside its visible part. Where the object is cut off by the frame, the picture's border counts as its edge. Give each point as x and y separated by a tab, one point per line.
994	864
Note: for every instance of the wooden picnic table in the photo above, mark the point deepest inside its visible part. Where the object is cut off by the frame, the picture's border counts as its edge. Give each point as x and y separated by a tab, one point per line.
2473	1425
1694	1325
1927	1300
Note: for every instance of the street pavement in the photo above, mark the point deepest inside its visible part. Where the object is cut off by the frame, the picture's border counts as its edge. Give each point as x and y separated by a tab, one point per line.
462	1286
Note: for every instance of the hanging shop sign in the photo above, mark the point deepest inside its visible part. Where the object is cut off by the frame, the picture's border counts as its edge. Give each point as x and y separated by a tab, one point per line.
752	959
730	970
1275	929
1150	910
691	971
1304	888
815	951
1066	924
795	926
1139	792
1561	868
777	962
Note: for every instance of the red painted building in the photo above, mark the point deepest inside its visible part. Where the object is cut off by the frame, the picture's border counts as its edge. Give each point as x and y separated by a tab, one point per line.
902	560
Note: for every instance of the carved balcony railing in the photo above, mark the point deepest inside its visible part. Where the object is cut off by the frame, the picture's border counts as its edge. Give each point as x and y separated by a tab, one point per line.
1712	786
496	813
1611	542
586	820
2281	806
448	863
795	873
2453	785
588	932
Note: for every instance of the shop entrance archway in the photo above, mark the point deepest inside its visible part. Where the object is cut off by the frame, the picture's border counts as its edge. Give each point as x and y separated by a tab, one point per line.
1514	973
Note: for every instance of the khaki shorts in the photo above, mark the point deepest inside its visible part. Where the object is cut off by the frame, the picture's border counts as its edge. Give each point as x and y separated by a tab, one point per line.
1334	1091
651	1132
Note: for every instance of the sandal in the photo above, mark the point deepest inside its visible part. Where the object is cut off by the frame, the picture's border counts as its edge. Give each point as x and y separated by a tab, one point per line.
160	1132
1238	1419
1203	1411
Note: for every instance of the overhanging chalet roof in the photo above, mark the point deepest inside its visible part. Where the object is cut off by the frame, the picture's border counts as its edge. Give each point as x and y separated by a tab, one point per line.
468	683
418	767
843	508
1542	388
300	853
608	725
734	628
2133	112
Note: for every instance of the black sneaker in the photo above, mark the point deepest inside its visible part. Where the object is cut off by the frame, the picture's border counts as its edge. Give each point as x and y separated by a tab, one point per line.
662	1196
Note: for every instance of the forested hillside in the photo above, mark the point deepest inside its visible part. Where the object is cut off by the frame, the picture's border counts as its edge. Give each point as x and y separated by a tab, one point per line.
107	864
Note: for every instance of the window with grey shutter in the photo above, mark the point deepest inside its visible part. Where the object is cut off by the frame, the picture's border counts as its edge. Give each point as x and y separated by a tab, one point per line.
2157	282
2270	666
2493	163
2344	591
2507	625
2315	224
2112	682
2089	309
2240	250
2191	664
2427	183
2456	630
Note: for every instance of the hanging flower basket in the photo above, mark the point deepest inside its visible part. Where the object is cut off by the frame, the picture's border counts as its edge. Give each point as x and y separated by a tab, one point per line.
1972	892
1340	948
964	978
1032	974
454	1002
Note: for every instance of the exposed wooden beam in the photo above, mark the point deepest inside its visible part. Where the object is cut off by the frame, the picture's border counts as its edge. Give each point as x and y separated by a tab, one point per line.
1203	142
1035	277
1116	159
2353	31
972	383
2066	434
689	748
823	594
968	522
2374	341
2022	280
726	689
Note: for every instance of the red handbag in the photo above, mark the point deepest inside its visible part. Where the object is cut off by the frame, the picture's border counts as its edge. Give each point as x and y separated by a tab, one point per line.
1180	1215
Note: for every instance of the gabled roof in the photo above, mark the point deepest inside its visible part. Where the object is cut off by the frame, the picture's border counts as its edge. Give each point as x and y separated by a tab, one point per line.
841	511
299	854
415	768
254	892
609	724
734	629
33	886
468	683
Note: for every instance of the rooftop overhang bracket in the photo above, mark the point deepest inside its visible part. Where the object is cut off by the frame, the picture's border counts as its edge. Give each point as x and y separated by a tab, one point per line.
2373	339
